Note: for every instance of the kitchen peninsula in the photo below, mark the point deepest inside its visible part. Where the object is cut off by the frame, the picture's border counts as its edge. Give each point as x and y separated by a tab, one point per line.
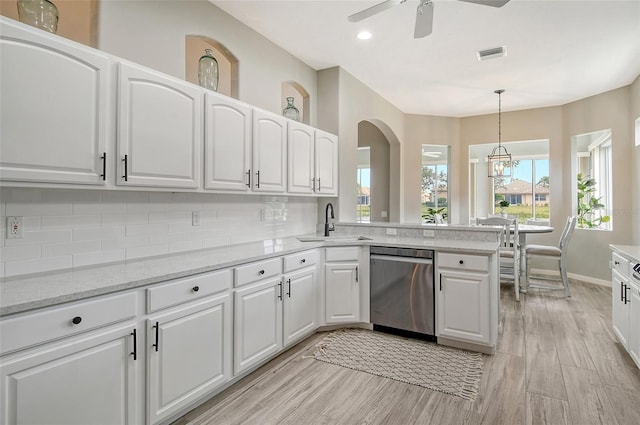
236	307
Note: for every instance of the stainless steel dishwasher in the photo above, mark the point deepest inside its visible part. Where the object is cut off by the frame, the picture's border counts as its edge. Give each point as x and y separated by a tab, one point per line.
402	291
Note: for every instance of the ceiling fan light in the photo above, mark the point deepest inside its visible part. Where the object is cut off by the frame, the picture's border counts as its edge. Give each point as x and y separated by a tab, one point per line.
364	35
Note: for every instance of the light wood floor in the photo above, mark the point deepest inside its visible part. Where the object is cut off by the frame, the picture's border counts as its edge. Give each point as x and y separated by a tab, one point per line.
557	362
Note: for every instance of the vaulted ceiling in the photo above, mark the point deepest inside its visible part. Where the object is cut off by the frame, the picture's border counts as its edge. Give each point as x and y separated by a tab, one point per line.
557	51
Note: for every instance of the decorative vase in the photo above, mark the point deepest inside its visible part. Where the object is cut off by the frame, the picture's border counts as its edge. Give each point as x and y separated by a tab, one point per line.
291	111
208	71
39	13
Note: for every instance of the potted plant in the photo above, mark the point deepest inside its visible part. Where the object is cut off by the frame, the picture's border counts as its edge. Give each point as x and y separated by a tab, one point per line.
589	207
503	204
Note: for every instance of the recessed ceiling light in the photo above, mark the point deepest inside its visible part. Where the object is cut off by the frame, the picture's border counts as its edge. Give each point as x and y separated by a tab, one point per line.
364	35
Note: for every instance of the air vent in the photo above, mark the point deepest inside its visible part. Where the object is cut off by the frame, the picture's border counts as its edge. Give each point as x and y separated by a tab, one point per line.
496	52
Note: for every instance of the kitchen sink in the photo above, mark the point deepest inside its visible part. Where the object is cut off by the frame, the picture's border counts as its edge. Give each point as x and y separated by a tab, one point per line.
333	238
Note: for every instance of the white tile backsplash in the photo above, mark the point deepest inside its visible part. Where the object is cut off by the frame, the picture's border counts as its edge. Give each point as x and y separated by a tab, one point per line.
76	228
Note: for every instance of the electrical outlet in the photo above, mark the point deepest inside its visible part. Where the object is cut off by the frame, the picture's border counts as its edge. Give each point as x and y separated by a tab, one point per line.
391	231
14	227
195	218
428	233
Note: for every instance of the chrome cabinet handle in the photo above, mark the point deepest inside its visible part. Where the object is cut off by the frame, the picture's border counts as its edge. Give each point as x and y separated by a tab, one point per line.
318	184
280	290
258	179
76	320
195	288
248	173
356	273
289	282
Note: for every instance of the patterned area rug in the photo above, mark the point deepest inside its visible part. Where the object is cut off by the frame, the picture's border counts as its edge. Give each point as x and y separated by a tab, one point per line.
416	362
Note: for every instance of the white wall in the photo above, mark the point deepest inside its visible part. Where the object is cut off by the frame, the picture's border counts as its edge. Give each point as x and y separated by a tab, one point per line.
76	228
347	102
635	165
152	33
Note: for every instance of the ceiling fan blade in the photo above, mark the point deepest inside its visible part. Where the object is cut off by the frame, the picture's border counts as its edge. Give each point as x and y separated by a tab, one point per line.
424	20
494	3
380	7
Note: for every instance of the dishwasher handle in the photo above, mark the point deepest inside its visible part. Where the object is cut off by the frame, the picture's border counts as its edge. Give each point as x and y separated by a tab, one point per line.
400	259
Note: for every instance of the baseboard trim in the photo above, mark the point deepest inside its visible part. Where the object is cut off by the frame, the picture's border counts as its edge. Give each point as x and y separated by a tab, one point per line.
574	276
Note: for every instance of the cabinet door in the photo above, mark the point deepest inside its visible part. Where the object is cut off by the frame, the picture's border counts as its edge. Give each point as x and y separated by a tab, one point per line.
189	354
300	155
633	294
55	108
88	380
326	165
620	308
159	129
227	144
269	152
342	295
257	324
463	306
299	315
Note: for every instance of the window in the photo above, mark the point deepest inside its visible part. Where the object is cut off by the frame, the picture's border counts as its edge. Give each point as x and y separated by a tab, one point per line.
593	180
363	191
434	186
527	190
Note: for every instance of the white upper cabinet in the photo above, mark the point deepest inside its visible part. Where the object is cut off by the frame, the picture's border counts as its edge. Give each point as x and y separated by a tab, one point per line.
55	114
301	146
313	160
227	144
326	164
269	152
160	129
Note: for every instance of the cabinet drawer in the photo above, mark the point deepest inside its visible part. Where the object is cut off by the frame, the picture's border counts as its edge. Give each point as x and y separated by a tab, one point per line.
58	322
188	289
463	261
620	264
257	271
347	253
300	260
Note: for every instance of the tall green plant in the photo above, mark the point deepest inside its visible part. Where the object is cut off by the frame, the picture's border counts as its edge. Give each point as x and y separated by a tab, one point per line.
589	207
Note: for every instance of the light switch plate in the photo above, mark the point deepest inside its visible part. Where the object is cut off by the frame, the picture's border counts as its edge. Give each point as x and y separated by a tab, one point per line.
195	218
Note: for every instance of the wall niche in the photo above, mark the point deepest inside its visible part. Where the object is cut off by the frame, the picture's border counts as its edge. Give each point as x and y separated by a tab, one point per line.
77	20
300	99
195	46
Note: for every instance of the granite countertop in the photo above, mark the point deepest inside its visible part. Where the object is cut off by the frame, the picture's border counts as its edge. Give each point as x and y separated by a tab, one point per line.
23	293
632	252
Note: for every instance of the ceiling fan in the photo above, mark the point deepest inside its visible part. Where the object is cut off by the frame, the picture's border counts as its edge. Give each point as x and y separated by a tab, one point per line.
424	14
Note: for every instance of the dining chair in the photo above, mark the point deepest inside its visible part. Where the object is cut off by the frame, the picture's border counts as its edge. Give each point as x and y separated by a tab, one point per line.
558	253
509	249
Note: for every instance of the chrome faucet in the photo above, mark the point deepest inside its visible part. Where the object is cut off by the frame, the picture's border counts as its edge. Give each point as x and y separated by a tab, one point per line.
328	227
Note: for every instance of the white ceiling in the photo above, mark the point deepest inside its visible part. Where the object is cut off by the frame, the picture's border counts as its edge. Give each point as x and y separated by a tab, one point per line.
558	51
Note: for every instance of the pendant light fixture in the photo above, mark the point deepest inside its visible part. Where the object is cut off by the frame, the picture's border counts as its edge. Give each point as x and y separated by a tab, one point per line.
500	164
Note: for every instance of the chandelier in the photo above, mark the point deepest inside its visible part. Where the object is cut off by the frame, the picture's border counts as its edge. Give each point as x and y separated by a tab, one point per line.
500	165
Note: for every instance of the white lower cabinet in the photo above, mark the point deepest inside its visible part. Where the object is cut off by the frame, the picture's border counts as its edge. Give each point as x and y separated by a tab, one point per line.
189	354
342	289
463	298
87	379
620	308
299	305
634	323
257	323
625	308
